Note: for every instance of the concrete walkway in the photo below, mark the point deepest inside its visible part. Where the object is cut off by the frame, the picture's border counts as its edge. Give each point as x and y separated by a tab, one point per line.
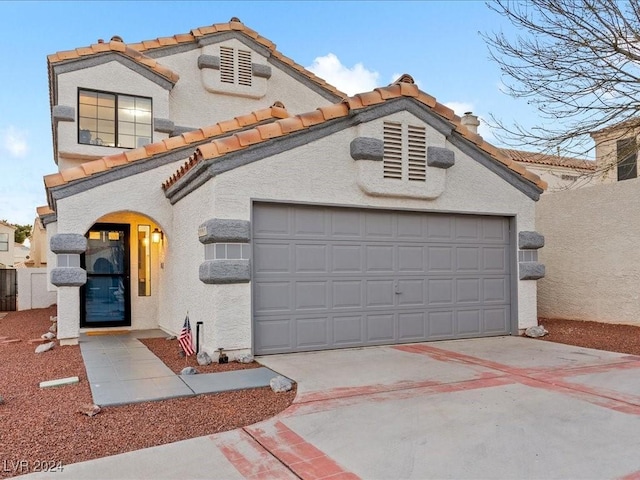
122	370
495	408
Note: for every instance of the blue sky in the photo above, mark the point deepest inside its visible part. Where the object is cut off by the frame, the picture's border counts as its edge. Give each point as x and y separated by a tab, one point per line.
354	45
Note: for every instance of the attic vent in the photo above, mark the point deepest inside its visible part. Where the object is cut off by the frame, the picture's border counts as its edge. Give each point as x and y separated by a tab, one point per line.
417	157
392	157
244	67
226	65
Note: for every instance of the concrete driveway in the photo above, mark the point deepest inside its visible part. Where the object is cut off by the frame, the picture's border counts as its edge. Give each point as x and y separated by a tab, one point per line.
504	407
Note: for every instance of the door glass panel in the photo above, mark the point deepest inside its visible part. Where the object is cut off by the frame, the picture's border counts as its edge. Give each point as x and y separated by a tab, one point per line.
106	291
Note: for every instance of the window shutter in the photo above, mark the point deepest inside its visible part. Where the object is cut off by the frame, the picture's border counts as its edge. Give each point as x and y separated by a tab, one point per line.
392	157
417	157
244	68
226	65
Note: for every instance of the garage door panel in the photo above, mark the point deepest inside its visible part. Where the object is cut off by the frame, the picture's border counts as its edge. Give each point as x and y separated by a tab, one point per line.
380	293
495	290
328	277
468	322
346	259
347	294
312	332
381	328
311	258
411	258
411	292
309	222
272	297
467	290
412	326
348	330
379	259
441	324
496	320
311	295
271	258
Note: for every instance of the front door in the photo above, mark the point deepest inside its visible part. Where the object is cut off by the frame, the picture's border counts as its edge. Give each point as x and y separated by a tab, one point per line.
105	296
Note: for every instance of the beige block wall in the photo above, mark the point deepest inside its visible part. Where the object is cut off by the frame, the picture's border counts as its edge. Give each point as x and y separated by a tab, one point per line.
591	253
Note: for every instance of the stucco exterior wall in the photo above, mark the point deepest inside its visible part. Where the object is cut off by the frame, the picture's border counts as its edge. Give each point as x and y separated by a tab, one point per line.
560	179
321	172
192	105
110	77
32	289
591	253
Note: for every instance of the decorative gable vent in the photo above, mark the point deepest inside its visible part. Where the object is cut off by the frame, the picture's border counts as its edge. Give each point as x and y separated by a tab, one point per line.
405	152
392	157
235	69
226	65
244	67
417	158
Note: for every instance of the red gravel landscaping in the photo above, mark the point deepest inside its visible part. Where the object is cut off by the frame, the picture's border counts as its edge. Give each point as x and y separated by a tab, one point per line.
43	425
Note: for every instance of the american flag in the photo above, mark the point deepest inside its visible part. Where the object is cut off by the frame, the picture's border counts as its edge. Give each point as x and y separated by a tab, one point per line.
186	338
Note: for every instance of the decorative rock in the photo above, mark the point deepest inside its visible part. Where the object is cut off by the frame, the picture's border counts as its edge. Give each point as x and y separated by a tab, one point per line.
280	384
188	371
89	409
535	331
54	327
48	336
247	358
1	400
171	337
45	347
204	358
59	382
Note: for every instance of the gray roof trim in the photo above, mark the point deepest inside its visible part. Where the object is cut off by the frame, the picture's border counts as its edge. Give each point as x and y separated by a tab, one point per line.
202	172
106	57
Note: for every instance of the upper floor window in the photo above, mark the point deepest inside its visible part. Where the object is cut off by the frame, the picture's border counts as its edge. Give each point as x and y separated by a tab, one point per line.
4	242
113	119
626	154
235	66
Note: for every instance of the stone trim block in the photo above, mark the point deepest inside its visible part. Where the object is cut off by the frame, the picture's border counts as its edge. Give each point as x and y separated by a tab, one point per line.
179	130
68	276
530	240
218	230
367	148
262	71
209	61
163	125
68	243
63	113
531	270
215	272
439	157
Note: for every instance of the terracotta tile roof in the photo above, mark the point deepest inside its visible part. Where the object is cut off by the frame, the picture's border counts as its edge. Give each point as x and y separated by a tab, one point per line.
551	160
117	47
135	51
402	88
277	111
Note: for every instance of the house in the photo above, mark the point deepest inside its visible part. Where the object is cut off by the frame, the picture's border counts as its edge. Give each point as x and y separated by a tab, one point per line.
7	245
617	150
208	173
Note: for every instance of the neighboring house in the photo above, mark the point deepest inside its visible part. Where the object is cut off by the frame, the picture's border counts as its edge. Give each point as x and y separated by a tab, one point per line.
7	245
20	255
560	173
38	241
617	151
317	221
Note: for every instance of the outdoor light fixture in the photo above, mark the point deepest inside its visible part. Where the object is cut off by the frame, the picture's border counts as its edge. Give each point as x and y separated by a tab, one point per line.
156	236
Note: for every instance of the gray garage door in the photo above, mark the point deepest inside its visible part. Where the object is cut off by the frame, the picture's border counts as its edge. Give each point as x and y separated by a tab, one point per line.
337	277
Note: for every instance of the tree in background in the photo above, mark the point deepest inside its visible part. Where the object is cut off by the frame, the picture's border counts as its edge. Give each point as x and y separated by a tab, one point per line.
577	62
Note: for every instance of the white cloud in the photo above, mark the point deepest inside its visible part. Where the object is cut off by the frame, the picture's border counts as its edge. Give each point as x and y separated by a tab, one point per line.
356	79
14	141
460	108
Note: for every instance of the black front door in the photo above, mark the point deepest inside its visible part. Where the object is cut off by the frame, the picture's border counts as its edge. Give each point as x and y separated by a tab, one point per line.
105	297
